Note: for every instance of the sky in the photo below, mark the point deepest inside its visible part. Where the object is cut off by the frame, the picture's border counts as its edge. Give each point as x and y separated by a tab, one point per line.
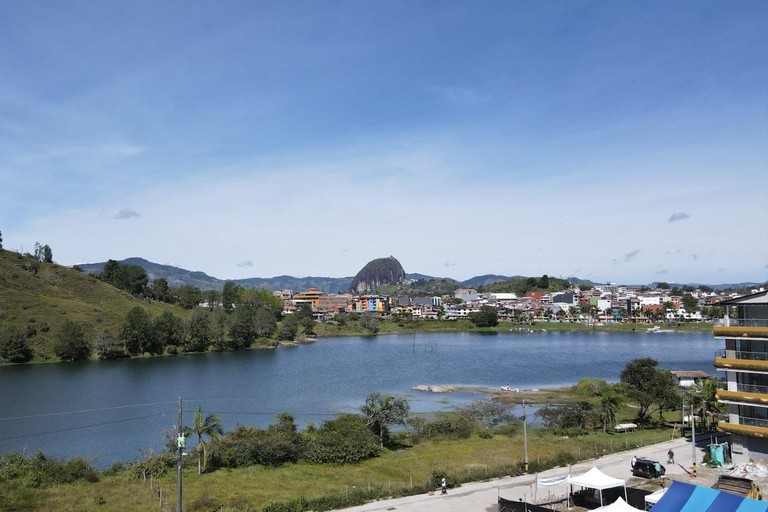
611	141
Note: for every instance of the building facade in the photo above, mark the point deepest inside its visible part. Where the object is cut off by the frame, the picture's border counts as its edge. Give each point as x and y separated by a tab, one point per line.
744	361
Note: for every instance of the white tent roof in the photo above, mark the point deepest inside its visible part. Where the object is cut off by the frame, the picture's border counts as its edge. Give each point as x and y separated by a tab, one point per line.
596	479
618	506
656	496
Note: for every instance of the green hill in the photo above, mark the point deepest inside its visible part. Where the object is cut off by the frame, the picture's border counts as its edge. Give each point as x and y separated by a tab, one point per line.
523	285
41	296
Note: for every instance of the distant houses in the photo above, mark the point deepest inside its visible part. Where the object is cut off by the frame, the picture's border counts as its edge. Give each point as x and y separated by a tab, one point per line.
601	303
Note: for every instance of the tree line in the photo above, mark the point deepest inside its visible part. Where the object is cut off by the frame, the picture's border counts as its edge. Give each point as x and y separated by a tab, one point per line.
244	317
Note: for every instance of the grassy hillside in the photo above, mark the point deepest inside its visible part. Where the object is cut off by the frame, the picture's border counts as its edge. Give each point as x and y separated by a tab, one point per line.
41	299
523	285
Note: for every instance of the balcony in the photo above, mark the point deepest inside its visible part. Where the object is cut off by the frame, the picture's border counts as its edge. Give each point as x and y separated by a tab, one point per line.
744	393
739	360
755	427
740	327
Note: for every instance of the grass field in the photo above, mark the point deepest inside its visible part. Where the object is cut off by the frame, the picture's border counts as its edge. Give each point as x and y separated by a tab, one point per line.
394	473
42	301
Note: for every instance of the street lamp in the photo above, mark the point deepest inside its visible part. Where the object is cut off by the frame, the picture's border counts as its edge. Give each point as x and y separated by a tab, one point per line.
525	438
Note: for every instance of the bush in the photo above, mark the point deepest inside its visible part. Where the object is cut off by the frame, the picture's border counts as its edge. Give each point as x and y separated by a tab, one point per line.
485	433
248	446
346	439
40	470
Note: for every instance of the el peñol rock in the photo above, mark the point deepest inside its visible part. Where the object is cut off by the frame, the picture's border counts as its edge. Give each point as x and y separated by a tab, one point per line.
376	273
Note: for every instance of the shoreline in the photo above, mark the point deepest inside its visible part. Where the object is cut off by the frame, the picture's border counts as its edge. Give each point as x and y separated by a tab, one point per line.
453	328
558	395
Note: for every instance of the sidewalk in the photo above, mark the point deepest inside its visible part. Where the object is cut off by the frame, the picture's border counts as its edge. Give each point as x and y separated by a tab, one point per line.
483	496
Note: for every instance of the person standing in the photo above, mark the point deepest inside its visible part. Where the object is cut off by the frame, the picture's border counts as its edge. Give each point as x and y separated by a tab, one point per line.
632	462
444	486
670	457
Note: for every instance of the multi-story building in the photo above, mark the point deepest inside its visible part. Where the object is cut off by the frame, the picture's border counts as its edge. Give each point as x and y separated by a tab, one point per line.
744	361
311	296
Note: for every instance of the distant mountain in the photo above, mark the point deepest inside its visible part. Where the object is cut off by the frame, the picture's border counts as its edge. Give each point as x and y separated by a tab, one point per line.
717	287
378	272
576	281
178	276
417	276
324	284
485	280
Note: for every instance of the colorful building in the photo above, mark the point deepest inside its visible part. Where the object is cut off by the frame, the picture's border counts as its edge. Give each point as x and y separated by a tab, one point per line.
744	361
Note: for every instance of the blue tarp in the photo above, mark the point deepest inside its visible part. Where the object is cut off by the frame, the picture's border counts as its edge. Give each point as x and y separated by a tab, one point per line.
683	497
726	501
750	505
675	498
700	499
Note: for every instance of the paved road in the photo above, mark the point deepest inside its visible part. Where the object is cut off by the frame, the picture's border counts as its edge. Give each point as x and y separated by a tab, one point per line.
483	496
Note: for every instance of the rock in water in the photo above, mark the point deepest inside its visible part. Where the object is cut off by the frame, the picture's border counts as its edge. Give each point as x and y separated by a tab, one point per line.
376	273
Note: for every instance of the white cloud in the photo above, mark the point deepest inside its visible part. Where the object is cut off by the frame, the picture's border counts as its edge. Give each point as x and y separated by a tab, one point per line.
627	257
678	216
127	213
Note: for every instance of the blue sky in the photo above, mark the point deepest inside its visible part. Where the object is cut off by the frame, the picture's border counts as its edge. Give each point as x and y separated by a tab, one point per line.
616	141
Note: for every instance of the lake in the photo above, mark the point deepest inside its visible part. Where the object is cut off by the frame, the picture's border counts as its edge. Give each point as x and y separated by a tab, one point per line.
111	410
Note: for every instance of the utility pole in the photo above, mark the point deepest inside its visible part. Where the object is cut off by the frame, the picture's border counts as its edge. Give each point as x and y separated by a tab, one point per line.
682	416
693	440
525	437
180	443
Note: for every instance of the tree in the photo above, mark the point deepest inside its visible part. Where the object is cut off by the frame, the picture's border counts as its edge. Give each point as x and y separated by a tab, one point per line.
219	324
70	344
486	413
690	303
382	412
159	289
242	332
647	385
14	347
1	239
137	334
131	278
198	332
168	330
609	405
209	427
230	295
107	347
663	286
486	317
188	296
343	440
47	254
212	298
544	282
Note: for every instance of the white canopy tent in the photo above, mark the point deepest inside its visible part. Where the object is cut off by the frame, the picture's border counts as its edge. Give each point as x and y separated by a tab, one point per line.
654	498
596	479
619	506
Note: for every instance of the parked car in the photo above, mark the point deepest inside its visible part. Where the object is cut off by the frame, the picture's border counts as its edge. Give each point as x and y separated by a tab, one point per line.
648	468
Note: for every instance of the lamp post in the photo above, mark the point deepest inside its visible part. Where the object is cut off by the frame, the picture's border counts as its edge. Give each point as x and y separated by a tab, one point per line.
525	438
693	441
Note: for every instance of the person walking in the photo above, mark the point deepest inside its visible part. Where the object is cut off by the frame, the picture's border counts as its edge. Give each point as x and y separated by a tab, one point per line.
444	486
670	457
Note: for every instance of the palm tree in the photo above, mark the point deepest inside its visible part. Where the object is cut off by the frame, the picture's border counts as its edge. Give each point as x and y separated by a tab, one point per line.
209	427
609	404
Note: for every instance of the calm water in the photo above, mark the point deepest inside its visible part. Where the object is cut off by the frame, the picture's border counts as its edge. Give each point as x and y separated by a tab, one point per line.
124	406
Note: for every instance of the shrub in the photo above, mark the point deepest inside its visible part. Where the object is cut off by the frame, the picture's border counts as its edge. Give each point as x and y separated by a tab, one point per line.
40	470
485	433
346	439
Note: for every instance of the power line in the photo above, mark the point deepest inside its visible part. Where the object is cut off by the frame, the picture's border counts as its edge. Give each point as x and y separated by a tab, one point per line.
283	412
84	411
83	426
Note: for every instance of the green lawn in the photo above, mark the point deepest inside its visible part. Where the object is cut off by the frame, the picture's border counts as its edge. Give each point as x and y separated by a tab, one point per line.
393	473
